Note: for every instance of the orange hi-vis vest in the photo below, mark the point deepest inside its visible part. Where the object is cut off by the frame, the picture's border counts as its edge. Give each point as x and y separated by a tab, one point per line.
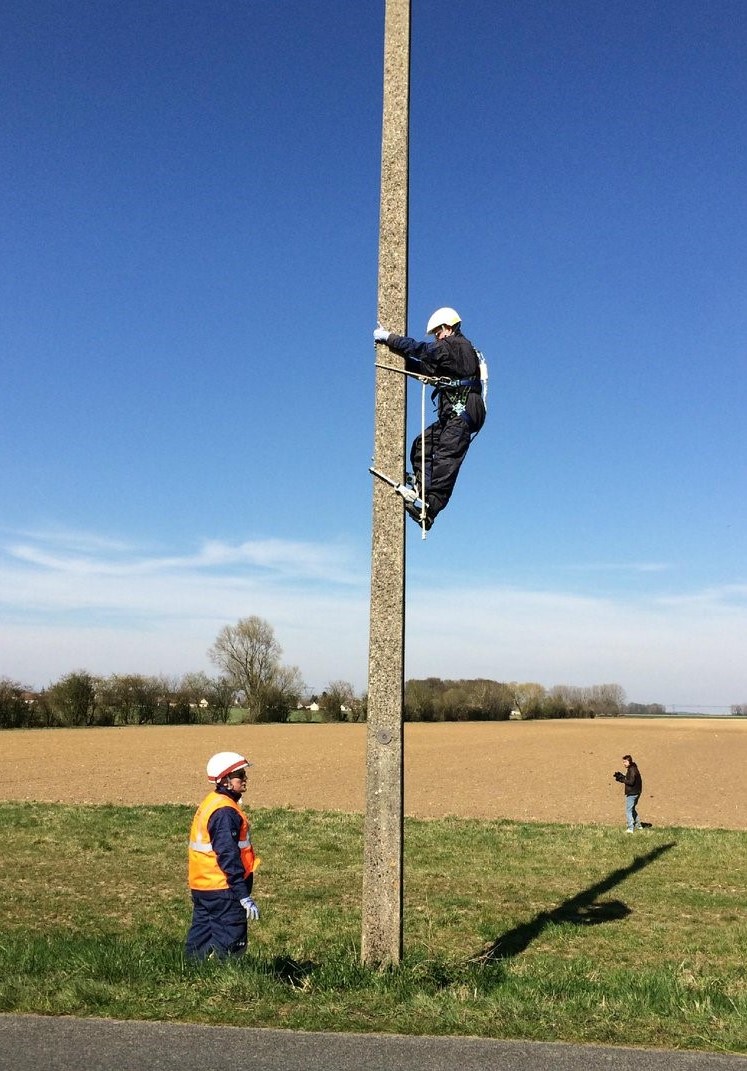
204	871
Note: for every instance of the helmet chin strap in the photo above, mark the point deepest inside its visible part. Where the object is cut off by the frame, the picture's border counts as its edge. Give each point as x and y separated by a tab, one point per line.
224	783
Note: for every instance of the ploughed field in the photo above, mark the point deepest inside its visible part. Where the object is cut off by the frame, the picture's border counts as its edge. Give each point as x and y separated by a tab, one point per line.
548	771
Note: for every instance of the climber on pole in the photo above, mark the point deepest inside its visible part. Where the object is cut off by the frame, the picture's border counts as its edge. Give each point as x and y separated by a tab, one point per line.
460	375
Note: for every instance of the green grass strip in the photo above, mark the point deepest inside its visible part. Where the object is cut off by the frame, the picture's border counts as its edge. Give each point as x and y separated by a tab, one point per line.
574	933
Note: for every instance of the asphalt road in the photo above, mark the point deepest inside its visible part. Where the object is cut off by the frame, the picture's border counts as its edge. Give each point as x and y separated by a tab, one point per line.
61	1044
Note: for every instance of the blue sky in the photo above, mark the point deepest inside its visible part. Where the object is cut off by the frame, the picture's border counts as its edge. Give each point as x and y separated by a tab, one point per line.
188	281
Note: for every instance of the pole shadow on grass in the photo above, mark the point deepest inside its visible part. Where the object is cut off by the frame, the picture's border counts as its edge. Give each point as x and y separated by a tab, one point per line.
583	909
289	971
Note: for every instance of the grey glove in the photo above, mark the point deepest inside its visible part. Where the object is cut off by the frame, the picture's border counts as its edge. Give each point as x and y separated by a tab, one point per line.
252	911
381	334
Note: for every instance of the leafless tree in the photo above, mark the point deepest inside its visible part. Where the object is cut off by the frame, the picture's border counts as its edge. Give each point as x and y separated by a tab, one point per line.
249	655
337	700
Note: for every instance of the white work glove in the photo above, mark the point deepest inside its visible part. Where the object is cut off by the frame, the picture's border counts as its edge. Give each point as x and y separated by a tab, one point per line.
381	334
252	911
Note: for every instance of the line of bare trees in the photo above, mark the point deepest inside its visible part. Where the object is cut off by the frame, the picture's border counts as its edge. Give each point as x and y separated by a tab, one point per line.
254	679
434	699
79	698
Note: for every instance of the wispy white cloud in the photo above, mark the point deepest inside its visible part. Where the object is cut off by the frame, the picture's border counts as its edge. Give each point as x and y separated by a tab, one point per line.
82	556
621	567
112	607
723	595
669	650
72	540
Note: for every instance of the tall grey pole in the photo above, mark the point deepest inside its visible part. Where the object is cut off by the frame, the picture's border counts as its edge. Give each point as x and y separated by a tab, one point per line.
383	839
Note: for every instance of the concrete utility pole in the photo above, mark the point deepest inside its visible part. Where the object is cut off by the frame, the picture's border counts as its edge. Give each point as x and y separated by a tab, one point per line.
383	878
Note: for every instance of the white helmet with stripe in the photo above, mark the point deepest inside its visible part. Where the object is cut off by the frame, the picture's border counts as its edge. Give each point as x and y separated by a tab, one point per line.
225	763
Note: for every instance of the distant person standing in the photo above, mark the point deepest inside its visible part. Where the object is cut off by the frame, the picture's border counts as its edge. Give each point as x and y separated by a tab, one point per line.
221	864
633	786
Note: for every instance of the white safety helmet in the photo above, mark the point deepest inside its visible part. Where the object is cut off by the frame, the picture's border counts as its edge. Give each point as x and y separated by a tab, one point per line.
223	764
447	316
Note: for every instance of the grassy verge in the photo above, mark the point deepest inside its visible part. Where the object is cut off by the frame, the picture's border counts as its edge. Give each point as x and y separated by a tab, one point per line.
511	930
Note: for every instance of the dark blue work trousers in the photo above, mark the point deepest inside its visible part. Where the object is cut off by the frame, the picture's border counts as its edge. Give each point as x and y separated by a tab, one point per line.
446	445
218	926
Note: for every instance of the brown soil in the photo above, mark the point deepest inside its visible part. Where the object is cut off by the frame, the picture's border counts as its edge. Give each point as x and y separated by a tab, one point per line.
693	769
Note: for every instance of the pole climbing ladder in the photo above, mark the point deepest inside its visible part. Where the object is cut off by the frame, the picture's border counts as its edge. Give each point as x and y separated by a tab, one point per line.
402	488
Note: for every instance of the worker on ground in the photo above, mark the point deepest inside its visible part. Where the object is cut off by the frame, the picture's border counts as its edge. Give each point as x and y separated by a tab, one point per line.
221	864
461	408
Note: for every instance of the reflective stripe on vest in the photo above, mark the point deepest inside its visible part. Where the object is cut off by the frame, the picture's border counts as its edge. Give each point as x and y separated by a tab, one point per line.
204	872
196	846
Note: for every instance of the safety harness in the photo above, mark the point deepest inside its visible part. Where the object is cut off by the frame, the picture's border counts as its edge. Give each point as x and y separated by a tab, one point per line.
456	391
